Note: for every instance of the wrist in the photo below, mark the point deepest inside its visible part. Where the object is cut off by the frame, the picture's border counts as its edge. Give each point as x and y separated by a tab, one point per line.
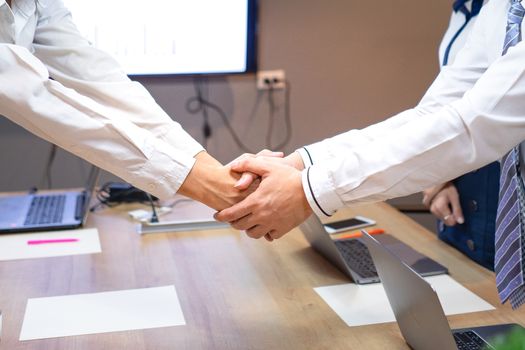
295	160
211	183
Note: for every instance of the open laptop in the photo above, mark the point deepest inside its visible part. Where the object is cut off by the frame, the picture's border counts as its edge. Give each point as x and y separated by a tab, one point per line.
417	308
56	210
352	257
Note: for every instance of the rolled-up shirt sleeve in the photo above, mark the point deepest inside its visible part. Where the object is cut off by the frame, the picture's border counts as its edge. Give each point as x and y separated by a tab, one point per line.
73	61
76	96
86	128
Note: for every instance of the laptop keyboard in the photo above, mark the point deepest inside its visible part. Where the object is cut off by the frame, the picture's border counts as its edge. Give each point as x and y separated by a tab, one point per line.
356	255
46	210
469	340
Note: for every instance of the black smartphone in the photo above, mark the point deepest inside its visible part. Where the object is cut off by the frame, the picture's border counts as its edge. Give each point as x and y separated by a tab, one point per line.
348	224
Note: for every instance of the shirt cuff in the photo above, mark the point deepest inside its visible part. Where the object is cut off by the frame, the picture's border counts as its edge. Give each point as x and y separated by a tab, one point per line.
181	140
305	156
164	172
320	192
316	152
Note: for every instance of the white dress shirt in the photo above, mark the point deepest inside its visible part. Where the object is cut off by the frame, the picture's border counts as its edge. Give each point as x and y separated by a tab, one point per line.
457	20
473	114
89	107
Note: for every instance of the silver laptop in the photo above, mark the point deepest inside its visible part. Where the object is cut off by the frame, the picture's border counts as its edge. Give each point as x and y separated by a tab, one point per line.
352	257
56	210
417	308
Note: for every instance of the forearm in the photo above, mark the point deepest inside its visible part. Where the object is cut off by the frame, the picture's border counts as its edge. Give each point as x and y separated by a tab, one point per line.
473	130
334	146
85	128
71	60
449	86
425	152
212	183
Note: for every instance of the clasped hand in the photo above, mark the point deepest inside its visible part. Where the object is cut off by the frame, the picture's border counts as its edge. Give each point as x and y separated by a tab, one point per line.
277	205
443	201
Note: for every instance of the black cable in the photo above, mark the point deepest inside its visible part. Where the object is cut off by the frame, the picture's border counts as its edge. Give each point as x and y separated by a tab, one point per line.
46	181
271	116
287	116
108	198
154	216
201	104
255	107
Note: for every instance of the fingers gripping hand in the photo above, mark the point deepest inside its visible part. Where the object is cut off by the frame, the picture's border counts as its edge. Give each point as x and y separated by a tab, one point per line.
248	178
277	206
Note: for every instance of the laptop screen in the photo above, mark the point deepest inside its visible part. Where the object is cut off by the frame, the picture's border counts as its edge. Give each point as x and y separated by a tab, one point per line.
89	189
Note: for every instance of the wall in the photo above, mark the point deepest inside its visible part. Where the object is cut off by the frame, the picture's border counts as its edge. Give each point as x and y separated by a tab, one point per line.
350	63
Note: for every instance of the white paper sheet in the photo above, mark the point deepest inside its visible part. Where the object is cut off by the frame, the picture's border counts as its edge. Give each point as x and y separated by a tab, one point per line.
101	313
15	247
359	305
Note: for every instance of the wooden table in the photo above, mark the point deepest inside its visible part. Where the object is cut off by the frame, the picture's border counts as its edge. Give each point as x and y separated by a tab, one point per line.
235	292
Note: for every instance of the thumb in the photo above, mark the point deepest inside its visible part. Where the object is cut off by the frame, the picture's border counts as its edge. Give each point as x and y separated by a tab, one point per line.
245	181
256	166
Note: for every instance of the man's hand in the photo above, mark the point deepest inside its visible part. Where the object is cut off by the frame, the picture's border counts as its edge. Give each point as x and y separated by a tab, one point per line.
443	202
212	183
248	178
278	204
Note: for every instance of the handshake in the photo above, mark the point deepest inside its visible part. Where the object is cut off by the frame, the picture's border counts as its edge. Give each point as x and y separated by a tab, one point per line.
261	194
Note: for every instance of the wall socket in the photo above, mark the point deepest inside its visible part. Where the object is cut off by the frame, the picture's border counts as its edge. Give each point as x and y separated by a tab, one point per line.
271	78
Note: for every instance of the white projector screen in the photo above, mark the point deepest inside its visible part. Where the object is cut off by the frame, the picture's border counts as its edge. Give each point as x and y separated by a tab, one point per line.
171	36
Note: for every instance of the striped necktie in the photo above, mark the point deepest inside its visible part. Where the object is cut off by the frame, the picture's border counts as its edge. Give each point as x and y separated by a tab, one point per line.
510	239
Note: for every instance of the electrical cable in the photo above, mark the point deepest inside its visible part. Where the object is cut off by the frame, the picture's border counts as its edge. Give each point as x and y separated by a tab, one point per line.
46	181
112	194
271	113
200	103
255	107
154	216
201	96
287	117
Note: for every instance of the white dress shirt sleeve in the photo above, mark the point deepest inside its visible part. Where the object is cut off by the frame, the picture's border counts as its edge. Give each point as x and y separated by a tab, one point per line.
457	78
90	107
472	115
330	148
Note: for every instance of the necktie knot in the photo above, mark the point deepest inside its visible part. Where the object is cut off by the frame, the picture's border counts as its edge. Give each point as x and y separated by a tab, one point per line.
458	4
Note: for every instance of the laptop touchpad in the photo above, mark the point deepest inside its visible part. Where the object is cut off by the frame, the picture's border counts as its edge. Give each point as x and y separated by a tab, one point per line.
14	209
